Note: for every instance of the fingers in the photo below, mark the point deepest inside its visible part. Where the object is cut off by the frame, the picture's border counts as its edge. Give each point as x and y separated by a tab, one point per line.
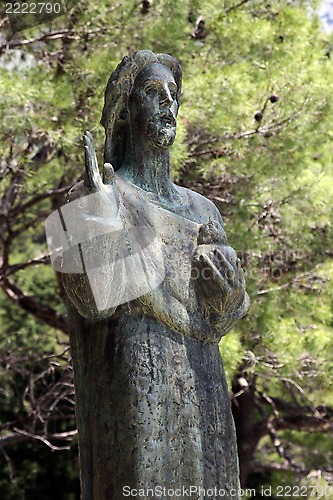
209	281
92	179
224	263
241	274
232	268
210	276
219	274
207	263
229	269
221	264
108	174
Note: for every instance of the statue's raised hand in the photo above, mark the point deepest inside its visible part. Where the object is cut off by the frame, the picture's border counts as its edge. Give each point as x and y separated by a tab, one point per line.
94	228
97	200
93	180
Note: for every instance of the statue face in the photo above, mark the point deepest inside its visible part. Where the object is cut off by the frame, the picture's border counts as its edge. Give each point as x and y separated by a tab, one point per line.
153	105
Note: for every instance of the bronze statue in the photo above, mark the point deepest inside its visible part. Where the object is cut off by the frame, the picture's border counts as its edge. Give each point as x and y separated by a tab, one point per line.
157	289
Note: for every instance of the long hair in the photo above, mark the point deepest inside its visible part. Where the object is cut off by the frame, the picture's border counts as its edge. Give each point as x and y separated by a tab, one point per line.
115	116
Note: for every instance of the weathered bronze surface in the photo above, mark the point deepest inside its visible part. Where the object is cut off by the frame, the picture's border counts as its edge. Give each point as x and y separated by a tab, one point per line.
152	401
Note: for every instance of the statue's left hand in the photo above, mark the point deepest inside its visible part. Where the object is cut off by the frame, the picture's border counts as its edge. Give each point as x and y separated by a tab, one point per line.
219	274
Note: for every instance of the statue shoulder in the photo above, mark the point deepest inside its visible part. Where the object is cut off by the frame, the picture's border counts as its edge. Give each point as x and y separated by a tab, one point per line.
204	208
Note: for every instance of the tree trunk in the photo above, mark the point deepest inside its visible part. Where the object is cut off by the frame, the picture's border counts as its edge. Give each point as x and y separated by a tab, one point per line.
248	435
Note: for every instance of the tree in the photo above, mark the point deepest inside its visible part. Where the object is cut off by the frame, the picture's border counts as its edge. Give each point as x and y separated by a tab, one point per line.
254	135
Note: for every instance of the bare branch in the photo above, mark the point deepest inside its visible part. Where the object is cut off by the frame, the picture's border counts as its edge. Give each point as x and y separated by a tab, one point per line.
45	259
52	35
292	282
295	416
257	466
50	193
20	436
69	34
44	313
11	193
12	439
43	439
46	398
63	435
273	128
215	153
304	423
236	6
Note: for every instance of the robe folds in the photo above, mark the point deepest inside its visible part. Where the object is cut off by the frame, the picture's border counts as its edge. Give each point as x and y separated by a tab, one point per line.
154	407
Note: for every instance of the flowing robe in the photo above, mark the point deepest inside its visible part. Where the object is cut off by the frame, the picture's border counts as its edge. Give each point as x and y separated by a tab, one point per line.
153	406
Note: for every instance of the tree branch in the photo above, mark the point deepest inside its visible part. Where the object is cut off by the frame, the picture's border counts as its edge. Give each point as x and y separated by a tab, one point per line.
70	34
236	6
45	259
292	282
295	416
65	435
257	466
50	193
303	423
53	35
42	312
13	439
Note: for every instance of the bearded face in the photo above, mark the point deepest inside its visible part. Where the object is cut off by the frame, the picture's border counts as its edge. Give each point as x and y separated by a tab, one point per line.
154	106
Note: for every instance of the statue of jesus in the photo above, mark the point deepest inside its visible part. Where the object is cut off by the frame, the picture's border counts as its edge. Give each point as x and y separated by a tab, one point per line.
158	288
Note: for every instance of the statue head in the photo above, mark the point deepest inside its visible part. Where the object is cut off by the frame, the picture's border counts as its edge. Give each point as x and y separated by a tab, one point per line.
143	92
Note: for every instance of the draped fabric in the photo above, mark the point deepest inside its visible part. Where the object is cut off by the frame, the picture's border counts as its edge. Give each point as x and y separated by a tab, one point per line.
156	408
